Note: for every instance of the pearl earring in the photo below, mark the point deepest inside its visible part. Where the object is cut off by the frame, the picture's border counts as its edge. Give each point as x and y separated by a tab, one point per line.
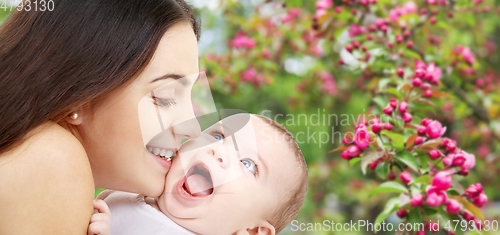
73	115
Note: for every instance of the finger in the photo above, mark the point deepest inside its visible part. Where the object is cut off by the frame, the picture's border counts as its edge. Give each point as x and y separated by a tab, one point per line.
101	206
98	228
100	217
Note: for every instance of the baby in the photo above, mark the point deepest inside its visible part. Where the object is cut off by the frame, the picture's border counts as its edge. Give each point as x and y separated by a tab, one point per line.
243	175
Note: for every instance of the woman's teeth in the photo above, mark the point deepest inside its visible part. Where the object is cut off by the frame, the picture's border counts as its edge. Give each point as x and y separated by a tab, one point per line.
162	153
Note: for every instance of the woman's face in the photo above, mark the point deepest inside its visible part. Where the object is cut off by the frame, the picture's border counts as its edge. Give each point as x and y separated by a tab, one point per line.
153	112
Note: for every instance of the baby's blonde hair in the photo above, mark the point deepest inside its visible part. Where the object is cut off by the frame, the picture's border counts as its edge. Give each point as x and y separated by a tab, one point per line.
294	198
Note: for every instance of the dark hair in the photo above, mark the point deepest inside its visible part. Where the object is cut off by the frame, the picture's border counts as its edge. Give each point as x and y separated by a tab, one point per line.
54	61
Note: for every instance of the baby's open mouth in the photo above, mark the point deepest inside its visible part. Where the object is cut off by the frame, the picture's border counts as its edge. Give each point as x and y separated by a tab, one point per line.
198	181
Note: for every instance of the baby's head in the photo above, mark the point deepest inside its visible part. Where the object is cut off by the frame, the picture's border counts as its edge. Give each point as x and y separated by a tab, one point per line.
244	175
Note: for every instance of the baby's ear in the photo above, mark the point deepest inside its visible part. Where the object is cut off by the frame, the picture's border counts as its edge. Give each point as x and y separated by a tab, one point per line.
262	228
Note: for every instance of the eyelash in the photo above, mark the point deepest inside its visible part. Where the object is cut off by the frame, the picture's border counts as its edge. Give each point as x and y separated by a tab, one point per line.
256	166
163	103
215	132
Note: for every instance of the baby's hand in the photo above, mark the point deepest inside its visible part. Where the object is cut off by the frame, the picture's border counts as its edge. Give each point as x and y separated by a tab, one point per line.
100	221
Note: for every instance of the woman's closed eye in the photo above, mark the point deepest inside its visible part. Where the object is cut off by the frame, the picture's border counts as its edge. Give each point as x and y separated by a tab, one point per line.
163	102
250	165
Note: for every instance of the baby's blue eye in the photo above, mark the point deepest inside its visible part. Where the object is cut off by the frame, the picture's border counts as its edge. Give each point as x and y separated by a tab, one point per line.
252	167
218	136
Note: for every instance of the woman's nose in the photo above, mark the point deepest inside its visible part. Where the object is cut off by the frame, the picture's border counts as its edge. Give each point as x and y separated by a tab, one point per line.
187	126
220	154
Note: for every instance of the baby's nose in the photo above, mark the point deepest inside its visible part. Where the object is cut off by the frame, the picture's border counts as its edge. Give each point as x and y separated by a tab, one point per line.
220	154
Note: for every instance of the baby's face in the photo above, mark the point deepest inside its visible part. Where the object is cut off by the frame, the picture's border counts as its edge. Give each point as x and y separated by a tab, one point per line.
229	178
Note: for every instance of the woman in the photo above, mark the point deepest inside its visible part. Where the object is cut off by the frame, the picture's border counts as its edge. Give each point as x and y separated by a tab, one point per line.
71	81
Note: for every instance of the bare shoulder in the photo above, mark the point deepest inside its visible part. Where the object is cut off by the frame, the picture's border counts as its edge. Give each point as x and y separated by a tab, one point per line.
47	184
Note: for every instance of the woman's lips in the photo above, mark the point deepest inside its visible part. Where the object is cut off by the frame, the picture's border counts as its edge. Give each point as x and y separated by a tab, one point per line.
162	156
165	163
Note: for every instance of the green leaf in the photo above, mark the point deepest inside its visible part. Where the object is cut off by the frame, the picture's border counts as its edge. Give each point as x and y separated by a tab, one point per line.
396	138
383	82
413	54
390	207
294	3
382	170
430	211
414	216
389	187
424	179
408	159
380	101
369	156
393	91
353	161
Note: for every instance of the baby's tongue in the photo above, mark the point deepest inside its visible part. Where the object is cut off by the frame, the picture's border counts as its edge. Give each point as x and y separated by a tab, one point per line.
198	185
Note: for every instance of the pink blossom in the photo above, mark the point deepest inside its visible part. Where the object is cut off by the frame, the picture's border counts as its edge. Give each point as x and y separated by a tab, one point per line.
435	130
480	200
417	200
309	36
353	151
420	65
241	40
398	11
418	140
388	110
407	117
393	103
324	4
447	160
421	130
442	181
356	30
458	160
417	82
405	177
450	145
345	155
290	15
376	128
329	84
470	161
362	137
403	107
474	190
434	154
434	73
468	55
409	7
453	207
319	13
434	200
316	50
432	2
465	53
483	150
395	13
249	75
402	213
468	216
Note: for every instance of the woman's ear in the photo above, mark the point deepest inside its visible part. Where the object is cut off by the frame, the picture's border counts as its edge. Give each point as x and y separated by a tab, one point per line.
75	118
262	228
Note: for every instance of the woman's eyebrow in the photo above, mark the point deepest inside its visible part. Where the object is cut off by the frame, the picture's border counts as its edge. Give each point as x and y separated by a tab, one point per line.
174	76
